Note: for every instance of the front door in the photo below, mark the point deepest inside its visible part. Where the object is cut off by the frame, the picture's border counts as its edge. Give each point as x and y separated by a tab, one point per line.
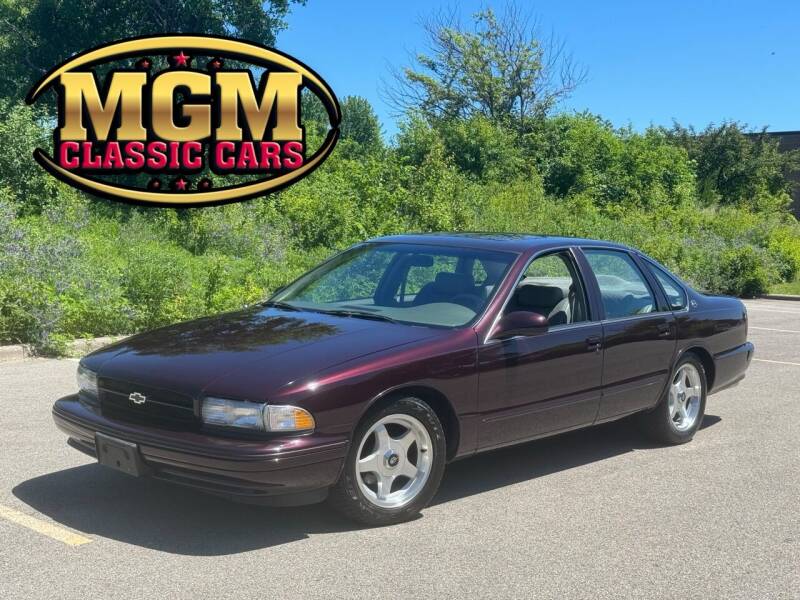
639	339
534	386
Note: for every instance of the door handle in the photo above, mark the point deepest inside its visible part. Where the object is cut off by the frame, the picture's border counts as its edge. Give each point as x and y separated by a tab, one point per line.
664	330
594	343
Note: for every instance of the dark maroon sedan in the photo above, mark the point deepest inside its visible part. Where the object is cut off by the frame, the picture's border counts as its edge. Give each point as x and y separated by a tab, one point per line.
361	379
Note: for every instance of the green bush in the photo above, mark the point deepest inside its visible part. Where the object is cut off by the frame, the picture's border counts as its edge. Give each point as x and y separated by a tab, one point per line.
582	154
745	271
784	244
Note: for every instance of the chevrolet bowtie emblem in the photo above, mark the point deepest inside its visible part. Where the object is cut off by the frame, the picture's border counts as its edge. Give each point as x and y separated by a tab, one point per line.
137	398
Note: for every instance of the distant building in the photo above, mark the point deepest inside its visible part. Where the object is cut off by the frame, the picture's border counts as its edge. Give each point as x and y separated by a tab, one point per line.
790	140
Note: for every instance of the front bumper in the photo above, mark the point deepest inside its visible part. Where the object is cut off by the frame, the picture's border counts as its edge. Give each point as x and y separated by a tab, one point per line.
287	470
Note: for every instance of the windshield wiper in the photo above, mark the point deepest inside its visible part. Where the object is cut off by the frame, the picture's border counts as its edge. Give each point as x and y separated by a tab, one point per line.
339	312
278	304
360	315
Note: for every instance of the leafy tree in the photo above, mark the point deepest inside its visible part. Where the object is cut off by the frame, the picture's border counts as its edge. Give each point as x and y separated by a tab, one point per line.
477	146
737	166
360	128
20	133
313	114
37	34
360	123
499	68
583	154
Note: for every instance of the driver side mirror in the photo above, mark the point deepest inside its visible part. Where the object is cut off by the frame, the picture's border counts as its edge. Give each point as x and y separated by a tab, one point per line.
520	322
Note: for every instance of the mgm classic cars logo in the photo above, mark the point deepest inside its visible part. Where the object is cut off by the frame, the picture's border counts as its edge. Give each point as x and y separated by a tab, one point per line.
183	120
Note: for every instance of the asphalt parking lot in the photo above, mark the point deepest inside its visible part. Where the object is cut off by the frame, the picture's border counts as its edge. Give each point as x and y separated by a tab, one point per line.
599	513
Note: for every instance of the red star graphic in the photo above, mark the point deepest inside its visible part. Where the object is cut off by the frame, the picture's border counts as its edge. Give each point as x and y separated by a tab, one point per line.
215	65
181	60
181	184
144	63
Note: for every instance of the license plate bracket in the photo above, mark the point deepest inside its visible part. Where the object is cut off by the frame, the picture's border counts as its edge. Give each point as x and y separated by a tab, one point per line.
119	455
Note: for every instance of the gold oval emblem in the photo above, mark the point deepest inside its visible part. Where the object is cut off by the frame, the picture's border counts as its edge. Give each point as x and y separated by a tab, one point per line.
175	124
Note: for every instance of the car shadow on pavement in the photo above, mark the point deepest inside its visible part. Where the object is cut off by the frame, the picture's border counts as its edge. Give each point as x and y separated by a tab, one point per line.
144	512
539	458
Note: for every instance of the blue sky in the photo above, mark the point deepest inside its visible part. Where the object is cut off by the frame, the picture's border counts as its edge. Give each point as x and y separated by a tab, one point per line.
648	62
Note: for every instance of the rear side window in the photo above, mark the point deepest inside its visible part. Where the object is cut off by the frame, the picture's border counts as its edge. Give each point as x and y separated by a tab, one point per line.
673	291
623	288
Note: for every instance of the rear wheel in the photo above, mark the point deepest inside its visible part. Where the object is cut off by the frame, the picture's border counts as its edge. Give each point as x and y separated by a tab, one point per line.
394	465
680	412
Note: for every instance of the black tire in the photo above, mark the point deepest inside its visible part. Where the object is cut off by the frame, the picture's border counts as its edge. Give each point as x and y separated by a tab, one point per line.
659	424
347	497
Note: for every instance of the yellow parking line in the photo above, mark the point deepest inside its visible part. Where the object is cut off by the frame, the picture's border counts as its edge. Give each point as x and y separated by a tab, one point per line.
52	531
777	362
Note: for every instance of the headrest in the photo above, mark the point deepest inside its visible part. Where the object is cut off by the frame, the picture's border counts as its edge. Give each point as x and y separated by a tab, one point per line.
540	295
454	283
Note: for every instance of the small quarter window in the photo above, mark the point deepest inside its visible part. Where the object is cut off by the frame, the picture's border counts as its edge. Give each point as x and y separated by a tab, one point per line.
672	290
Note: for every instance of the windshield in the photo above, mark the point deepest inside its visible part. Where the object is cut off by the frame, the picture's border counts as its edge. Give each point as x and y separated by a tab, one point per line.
427	285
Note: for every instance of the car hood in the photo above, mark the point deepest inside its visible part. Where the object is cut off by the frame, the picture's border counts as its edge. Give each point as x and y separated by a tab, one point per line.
259	349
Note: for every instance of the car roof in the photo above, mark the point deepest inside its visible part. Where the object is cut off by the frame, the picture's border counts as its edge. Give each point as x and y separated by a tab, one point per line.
514	242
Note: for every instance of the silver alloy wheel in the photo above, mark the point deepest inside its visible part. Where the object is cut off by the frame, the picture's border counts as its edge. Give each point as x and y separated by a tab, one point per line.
394	461
685	395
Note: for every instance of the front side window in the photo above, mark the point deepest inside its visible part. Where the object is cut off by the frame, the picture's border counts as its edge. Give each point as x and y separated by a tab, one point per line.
623	288
672	290
413	283
551	287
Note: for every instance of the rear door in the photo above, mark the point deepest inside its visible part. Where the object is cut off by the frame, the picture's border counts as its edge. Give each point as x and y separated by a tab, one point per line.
639	333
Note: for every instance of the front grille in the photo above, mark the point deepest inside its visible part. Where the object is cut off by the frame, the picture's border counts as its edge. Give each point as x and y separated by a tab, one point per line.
162	408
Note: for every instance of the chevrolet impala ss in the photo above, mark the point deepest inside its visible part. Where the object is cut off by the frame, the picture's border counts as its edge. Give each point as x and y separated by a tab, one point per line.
362	379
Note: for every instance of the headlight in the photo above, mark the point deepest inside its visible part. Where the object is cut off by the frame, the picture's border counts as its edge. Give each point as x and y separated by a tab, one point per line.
87	381
232	413
251	415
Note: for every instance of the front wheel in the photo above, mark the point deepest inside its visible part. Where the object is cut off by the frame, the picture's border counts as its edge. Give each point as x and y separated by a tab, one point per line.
394	465
680	412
